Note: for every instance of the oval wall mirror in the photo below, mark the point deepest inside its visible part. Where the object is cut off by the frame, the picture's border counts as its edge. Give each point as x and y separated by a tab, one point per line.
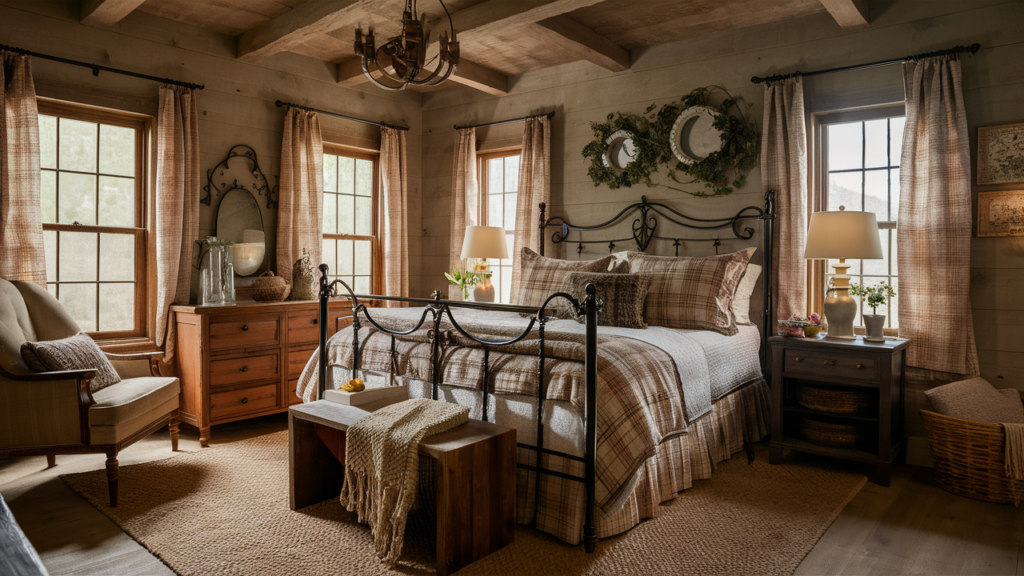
621	150
694	136
239	221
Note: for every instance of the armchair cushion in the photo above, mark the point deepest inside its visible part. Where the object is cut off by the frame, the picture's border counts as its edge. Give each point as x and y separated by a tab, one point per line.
131	398
79	352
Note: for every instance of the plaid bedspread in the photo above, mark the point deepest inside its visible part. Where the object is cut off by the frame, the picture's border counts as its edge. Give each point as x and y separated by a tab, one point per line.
640	385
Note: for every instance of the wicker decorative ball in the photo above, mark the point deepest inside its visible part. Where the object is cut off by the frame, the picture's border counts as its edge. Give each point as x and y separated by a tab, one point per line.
831	400
831	433
269	288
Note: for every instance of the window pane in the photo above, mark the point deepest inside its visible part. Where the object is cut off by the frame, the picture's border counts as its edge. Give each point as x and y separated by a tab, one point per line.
117	307
330	173
48	196
896	142
363	262
876	193
362	285
876	140
77	202
77	259
117	257
895	259
894	305
52	289
844	189
844	146
364	216
117	150
346	218
364	177
50	244
894	179
345	257
510	211
506	284
47	141
495	176
117	201
328	255
80	302
346	175
495	212
77	145
879	266
330	213
512	174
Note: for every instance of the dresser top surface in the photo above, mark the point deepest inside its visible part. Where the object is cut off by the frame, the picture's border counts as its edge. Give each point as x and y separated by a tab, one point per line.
253	306
890	345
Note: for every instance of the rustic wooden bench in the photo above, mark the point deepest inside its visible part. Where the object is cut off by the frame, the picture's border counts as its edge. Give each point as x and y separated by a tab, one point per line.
474	476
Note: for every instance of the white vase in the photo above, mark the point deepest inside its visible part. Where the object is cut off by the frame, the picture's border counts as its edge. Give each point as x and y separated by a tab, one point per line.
875	324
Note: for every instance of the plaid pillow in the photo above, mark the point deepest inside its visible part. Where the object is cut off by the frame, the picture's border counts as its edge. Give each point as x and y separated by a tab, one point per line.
692	293
541	277
622	297
78	352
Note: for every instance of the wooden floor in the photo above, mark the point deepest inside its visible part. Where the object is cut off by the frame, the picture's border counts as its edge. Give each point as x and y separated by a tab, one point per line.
912	527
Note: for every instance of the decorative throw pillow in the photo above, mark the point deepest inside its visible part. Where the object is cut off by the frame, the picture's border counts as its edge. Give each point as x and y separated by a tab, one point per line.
541	277
78	352
741	299
692	293
976	399
622	295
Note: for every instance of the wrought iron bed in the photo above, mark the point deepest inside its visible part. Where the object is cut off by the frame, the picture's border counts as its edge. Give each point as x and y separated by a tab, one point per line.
437	309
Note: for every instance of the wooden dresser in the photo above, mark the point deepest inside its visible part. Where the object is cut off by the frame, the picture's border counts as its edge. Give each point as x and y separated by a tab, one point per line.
241	361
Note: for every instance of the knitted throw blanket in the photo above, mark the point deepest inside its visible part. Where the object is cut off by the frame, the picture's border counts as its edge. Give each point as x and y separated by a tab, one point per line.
1014	451
382	466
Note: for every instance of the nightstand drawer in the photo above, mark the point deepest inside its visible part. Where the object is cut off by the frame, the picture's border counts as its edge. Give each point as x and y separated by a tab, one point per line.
831	365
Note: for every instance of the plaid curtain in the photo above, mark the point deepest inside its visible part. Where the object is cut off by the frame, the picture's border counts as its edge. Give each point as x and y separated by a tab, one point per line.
396	228
465	198
784	170
534	188
935	219
300	214
177	205
23	256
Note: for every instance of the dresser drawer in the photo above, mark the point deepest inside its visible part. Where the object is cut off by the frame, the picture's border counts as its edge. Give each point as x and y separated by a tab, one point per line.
249	368
243	401
828	365
248	332
290	397
303	327
297	360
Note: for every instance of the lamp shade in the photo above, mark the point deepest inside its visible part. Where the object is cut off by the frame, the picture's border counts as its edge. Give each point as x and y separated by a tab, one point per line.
484	242
843	234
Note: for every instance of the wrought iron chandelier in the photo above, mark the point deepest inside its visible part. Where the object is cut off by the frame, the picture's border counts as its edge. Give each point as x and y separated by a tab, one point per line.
406	54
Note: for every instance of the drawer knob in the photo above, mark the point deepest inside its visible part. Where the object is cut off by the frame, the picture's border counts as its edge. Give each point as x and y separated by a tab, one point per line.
829	362
245	400
245	327
245	368
798	359
860	365
315	320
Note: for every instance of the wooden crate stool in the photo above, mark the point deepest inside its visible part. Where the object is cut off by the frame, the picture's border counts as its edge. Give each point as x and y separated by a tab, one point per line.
474	475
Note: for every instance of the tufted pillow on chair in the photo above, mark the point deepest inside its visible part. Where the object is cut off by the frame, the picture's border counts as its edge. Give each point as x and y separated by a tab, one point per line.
79	352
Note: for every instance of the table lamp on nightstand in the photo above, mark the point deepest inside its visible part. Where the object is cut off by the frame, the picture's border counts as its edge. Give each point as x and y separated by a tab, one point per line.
483	242
843	234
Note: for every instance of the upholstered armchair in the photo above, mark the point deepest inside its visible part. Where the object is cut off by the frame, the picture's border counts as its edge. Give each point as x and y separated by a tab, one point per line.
50	413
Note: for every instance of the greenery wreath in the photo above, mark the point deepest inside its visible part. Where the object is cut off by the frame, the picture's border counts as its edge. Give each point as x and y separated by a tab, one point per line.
647	151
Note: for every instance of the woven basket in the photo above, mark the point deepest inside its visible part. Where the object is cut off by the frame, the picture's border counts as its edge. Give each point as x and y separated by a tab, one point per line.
831	433
970	458
269	288
834	401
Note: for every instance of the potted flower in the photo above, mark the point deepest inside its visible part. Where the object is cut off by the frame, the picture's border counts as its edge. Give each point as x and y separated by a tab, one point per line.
875	296
814	325
465	280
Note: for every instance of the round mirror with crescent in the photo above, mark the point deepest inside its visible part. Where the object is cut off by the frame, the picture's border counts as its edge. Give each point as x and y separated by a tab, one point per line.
621	150
694	136
240	222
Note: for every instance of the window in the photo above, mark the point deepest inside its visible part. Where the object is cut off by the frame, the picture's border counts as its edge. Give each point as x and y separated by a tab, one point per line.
350	217
499	187
859	160
93	210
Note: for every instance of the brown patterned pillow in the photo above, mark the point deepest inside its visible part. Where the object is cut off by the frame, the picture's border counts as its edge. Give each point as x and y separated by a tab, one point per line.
622	295
692	293
541	277
78	352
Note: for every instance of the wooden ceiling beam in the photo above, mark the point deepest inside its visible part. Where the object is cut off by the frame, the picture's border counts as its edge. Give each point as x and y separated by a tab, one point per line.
849	14
565	34
106	12
350	73
494	15
291	29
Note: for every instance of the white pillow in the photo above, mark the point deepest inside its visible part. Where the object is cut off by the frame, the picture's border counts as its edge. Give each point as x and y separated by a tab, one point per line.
741	299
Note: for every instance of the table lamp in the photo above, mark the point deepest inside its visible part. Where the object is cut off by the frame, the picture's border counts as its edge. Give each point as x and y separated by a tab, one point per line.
843	234
484	242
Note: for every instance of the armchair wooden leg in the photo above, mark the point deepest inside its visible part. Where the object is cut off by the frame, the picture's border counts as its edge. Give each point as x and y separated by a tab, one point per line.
172	425
112	469
51	460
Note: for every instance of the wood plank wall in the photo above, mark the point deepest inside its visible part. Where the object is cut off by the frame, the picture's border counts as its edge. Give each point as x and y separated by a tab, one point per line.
237	106
581	92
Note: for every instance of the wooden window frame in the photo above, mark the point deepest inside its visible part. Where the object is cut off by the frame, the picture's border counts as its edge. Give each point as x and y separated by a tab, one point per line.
818	176
144	317
377	217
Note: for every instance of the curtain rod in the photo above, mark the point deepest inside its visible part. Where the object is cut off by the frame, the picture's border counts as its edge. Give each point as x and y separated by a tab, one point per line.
973	48
352	118
549	115
96	68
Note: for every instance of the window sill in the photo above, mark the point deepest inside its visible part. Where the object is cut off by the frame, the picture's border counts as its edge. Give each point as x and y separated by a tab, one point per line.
128	345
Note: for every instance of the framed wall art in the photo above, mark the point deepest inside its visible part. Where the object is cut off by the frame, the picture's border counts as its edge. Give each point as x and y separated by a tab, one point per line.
1001	154
1001	213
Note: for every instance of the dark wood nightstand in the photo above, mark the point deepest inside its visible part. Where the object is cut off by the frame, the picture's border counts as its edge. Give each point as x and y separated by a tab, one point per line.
841	365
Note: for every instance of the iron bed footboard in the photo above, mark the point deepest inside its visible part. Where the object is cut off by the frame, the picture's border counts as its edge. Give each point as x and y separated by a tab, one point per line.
438	309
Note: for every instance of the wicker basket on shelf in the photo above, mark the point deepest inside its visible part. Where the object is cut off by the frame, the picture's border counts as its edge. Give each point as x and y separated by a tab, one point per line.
970	458
834	401
270	288
831	433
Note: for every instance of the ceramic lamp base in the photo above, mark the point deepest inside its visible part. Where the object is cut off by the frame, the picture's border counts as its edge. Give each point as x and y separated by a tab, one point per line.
841	309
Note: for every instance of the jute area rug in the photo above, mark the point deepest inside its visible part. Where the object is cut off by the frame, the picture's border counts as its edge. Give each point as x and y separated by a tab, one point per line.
224	510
